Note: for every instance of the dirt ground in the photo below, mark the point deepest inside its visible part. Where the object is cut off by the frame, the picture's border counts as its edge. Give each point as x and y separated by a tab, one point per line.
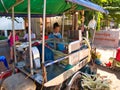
113	75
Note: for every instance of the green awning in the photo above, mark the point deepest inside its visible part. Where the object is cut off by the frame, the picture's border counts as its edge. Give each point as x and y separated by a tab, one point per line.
5	5
52	6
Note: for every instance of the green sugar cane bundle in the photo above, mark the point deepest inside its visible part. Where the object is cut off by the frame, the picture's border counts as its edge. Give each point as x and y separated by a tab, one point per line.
95	82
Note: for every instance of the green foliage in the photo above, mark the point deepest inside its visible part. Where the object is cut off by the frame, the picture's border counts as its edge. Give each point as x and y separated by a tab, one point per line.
89	16
79	19
112	6
114	13
99	17
3	38
100	1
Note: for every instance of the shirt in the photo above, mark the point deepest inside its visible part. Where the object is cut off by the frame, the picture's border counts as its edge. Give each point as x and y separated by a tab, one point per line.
26	36
55	35
11	40
60	46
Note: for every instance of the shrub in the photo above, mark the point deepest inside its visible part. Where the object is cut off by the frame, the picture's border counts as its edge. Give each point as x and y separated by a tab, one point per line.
3	37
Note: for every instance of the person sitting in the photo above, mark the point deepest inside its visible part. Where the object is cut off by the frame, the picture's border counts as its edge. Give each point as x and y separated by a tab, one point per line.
56	35
26	36
11	44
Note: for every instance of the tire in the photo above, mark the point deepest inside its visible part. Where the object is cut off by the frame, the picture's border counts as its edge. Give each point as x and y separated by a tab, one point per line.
75	83
18	82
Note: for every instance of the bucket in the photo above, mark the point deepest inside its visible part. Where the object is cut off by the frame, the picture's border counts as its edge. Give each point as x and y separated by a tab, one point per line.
118	55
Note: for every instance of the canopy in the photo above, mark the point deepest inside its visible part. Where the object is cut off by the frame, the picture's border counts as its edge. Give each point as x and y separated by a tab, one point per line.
88	4
54	7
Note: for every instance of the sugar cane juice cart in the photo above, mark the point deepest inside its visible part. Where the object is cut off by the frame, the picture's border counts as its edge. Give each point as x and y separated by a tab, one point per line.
45	67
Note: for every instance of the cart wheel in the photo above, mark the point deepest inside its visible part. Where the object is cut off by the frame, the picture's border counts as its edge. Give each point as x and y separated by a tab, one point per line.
75	83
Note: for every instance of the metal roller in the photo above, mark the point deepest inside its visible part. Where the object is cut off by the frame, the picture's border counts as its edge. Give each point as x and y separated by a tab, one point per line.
36	57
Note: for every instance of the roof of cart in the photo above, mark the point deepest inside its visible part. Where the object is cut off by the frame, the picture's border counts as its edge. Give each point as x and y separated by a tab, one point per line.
53	7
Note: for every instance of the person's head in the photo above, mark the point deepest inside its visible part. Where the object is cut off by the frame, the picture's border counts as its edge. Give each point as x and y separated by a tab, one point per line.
11	32
56	27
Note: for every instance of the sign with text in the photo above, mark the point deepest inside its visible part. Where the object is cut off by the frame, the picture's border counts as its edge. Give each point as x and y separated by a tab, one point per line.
107	39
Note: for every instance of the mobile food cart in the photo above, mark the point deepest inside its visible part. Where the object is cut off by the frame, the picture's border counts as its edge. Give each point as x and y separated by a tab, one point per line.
45	67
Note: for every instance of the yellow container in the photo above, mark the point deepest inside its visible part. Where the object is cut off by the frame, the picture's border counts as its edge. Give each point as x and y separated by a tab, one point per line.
98	55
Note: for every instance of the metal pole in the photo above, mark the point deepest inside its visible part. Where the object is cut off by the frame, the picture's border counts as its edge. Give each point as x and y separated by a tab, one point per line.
13	35
43	36
43	43
29	34
63	20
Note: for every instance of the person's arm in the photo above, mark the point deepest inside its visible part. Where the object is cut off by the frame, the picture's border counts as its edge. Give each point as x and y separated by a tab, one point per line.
9	35
50	36
59	36
25	37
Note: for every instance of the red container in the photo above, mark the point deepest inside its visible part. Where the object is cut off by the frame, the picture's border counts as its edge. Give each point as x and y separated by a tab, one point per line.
46	37
118	55
5	74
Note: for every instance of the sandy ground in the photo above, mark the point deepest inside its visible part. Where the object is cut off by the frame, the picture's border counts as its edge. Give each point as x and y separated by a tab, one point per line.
106	53
113	75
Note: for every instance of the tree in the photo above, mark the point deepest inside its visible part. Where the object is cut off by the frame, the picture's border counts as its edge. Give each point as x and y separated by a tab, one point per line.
114	12
113	7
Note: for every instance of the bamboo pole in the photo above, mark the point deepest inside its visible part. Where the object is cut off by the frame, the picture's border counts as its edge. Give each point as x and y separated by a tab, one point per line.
29	34
13	29
43	44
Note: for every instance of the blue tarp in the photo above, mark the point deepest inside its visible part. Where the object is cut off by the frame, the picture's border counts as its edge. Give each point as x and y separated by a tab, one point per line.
49	55
89	5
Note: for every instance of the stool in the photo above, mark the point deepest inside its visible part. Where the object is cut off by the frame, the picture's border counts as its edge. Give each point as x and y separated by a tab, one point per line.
3	59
